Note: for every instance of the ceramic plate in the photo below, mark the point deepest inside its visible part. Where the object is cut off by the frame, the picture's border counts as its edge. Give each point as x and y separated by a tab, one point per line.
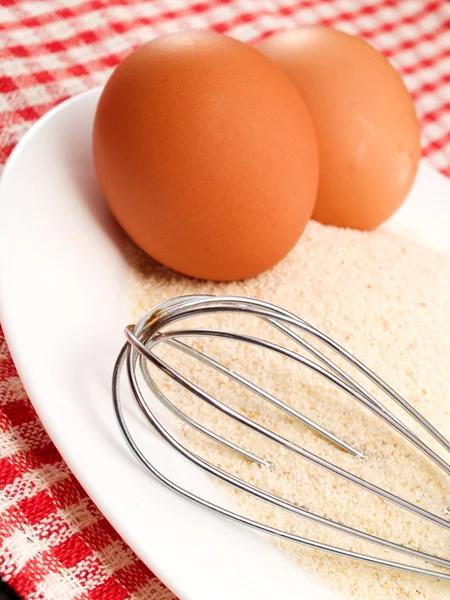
63	301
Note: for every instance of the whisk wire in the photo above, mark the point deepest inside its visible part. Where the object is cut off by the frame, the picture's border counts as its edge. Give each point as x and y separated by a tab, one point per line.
263	394
146	334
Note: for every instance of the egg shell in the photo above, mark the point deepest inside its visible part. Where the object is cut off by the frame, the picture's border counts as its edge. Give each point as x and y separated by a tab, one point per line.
366	126
206	155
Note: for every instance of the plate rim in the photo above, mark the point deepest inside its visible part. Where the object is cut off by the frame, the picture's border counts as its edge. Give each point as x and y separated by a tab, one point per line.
168	576
13	342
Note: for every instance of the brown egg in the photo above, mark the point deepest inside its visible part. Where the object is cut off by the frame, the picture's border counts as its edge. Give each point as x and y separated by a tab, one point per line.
206	155
366	126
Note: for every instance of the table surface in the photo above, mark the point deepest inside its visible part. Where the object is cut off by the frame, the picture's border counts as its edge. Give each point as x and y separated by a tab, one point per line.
54	542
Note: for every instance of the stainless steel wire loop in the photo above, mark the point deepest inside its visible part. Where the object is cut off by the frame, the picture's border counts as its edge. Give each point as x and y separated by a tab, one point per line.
137	353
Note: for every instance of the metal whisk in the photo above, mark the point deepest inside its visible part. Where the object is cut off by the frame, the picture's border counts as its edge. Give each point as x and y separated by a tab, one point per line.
143	337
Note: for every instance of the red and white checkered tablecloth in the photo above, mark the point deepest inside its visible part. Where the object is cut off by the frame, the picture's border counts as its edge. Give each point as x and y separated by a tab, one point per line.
54	543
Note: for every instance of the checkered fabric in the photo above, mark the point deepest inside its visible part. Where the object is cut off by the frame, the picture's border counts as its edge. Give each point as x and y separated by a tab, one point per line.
54	543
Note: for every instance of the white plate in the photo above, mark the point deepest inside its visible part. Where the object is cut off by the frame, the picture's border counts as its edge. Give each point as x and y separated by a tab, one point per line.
63	308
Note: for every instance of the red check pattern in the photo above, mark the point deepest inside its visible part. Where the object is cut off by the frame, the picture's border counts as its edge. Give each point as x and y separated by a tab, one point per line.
54	543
